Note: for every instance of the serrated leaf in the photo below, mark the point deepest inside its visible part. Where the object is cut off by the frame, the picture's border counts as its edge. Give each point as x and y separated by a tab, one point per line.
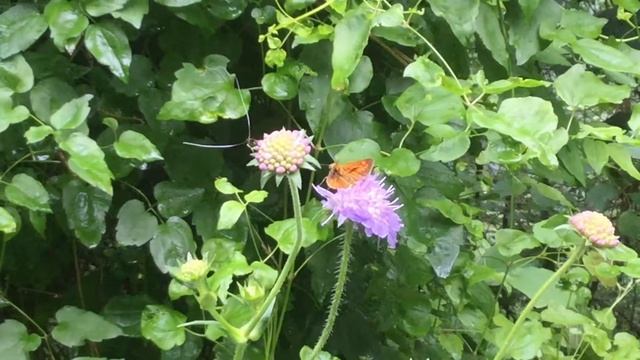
133	145
87	161
75	326
21	26
109	45
160	324
28	192
72	114
135	225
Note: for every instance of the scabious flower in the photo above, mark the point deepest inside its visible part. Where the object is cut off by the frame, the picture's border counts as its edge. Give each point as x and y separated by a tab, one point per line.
282	151
595	227
193	269
368	204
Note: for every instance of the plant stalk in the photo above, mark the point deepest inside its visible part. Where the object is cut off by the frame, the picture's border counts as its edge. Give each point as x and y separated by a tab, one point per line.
345	257
577	252
288	265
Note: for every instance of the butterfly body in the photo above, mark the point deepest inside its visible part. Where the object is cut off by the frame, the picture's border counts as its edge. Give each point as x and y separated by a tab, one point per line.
344	175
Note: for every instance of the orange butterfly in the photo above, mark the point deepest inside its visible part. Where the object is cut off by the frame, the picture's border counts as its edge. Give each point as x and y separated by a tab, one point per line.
345	175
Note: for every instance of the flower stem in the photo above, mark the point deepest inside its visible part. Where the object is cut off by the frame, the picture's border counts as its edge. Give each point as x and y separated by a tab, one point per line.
345	257
288	265
534	299
239	353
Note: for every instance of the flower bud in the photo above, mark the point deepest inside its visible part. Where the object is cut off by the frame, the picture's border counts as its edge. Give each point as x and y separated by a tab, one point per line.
193	269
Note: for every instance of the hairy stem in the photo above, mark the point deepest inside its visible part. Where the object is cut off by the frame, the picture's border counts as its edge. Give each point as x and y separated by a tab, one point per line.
534	299
288	265
345	257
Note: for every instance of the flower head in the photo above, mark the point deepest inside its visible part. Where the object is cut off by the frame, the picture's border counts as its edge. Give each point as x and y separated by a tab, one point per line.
595	227
367	203
282	151
193	269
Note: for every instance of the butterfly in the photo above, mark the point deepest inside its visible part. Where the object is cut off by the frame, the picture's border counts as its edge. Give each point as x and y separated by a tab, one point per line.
348	174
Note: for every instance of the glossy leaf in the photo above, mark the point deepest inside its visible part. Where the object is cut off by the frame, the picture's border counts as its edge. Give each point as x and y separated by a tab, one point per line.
66	23
21	26
108	43
28	192
133	145
176	199
87	161
230	212
72	114
135	225
132	12
7	222
85	208
16	74
171	244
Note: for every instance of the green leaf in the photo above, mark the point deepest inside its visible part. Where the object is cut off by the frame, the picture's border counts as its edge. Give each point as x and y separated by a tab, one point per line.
171	244
512	242
177	3
109	45
176	199
72	114
37	133
621	155
582	24
627	345
7	222
75	326
459	14
571	158
16	74
358	150
425	71
500	86
548	192
284	232
629	5
86	208
230	212
306	352
39	222
224	186
133	12
279	86
256	196
133	145
135	225
634	120
449	149
49	95
604	56
21	26
66	22
597	154
160	325
430	106
529	279
581	88
401	162
361	77
9	114
28	192
87	161
101	7
204	95
488	29
125	311
15	341
350	37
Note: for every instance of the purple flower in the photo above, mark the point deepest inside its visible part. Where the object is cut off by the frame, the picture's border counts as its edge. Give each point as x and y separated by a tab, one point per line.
368	204
282	151
595	227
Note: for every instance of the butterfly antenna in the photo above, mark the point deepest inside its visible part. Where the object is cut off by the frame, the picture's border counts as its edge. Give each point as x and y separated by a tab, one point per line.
246	110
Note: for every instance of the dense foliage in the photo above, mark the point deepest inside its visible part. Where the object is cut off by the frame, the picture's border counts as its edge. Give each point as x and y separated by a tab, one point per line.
493	120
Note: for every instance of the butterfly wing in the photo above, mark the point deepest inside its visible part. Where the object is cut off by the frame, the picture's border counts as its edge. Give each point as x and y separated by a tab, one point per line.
347	174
